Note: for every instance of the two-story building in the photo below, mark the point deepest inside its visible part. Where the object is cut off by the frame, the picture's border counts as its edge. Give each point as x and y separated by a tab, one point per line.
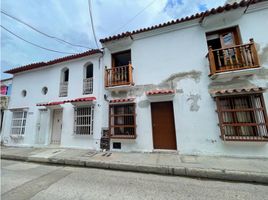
195	85
56	102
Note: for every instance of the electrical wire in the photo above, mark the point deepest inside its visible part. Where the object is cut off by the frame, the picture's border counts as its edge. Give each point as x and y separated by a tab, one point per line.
45	34
130	20
36	45
92	24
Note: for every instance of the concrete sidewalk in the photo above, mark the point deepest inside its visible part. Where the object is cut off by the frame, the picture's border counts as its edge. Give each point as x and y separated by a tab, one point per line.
223	168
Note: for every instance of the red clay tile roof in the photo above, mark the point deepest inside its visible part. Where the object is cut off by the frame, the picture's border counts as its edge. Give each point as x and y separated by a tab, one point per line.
236	91
51	62
51	103
155	92
122	100
81	99
201	15
67	101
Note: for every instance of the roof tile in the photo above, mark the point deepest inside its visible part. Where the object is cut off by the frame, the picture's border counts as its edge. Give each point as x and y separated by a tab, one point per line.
51	62
213	11
155	92
122	100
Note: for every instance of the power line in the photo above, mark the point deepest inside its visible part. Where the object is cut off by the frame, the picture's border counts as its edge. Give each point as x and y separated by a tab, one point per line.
36	45
129	21
45	34
92	24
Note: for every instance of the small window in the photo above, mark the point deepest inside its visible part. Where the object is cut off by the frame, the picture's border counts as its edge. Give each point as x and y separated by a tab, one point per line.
18	122
89	71
116	145
122	121
44	90
23	93
64	82
88	79
242	117
66	75
83	120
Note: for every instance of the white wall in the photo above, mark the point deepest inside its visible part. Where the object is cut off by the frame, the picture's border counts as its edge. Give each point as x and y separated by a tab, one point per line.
182	53
33	82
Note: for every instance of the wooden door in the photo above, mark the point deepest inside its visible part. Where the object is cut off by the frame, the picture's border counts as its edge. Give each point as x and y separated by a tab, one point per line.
164	136
42	127
57	127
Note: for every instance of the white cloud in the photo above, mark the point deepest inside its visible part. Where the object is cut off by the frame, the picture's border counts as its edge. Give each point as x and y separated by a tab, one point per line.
71	22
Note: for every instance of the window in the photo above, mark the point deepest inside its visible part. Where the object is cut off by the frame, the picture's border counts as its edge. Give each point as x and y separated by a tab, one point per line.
121	58
122	121
83	120
88	79
64	82
66	75
44	90
242	117
89	71
23	93
121	71
116	145
18	122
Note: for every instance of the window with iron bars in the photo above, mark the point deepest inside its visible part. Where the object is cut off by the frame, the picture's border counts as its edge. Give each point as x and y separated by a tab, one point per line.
18	122
242	117
83	120
122	121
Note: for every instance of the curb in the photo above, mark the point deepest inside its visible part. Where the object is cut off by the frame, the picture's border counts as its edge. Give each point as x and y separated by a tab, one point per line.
217	174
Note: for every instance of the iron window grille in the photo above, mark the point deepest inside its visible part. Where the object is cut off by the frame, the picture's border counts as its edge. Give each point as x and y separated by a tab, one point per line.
18	122
122	120
83	120
242	117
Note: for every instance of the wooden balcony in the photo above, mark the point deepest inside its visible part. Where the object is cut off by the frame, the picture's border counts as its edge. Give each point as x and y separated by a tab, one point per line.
63	89
119	76
88	86
233	58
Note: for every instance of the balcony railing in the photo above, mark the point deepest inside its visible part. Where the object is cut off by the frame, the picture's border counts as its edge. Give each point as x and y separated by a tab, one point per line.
88	86
120	75
63	89
233	58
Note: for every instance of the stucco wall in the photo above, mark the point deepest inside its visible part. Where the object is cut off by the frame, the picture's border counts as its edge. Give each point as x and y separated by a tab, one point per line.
171	60
34	81
176	60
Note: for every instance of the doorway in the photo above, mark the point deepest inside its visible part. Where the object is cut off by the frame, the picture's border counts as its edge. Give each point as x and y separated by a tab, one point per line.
56	127
164	135
42	127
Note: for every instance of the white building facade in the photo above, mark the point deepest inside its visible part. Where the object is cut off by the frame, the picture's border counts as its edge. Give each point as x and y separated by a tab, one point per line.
56	103
196	85
184	97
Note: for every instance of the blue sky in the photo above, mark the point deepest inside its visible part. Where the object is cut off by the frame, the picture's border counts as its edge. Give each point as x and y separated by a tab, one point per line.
70	21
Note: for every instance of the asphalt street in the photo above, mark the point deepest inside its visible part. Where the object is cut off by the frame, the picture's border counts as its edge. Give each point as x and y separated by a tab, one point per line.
22	180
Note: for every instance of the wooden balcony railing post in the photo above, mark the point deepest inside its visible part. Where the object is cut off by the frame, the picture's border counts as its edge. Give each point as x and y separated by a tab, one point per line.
106	77
130	73
211	60
256	61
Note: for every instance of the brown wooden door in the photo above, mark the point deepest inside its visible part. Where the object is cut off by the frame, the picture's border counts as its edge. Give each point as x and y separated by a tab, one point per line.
164	136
